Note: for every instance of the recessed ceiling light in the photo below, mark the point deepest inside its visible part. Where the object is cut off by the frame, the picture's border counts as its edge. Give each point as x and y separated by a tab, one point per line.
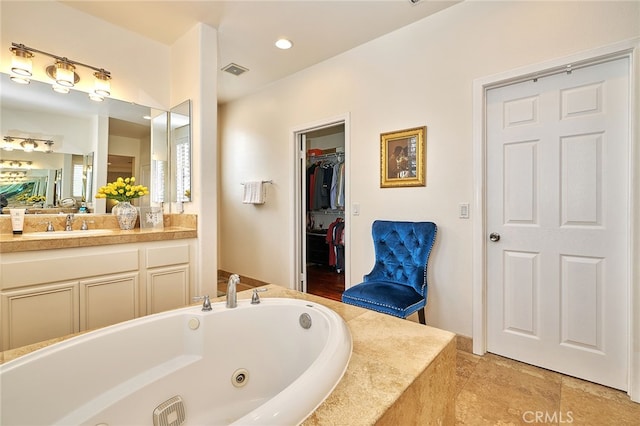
284	44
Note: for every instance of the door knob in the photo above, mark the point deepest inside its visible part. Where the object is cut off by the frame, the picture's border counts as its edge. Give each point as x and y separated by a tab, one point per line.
494	236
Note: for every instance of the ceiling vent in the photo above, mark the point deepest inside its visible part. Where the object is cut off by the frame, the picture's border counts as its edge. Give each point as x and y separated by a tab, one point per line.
235	69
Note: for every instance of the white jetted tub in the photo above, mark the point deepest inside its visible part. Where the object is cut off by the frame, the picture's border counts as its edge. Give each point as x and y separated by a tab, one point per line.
266	364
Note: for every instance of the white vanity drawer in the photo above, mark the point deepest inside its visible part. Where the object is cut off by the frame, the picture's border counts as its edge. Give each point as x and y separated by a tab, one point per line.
63	265
167	255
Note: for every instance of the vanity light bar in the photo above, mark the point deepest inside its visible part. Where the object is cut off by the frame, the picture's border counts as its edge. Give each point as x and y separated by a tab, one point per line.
13	174
13	180
15	164
26	144
63	71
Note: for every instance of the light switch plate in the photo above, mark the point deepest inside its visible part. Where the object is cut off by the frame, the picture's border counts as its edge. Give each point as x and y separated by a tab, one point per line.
463	210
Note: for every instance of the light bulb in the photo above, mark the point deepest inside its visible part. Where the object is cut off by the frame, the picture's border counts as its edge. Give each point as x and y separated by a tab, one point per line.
21	62
28	145
20	79
65	75
60	89
102	86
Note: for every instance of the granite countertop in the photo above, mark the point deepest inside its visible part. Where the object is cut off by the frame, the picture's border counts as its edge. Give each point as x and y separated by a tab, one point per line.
175	227
400	371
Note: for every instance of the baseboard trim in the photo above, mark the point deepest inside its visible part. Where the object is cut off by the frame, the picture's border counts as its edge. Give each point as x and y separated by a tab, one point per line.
464	343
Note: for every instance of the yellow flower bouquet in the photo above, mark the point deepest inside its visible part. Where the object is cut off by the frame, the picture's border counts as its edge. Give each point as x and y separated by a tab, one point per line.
36	199
123	189
31	199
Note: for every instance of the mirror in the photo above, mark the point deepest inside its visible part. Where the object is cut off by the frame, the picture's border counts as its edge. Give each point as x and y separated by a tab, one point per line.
83	133
180	143
25	178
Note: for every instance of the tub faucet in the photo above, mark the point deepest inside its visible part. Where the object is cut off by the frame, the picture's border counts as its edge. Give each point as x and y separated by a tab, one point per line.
69	222
232	297
206	302
255	298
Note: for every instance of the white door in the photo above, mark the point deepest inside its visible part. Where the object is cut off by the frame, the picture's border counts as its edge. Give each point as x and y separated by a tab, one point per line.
302	214
557	210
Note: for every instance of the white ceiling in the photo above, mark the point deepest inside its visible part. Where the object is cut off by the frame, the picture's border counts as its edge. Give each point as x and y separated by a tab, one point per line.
247	30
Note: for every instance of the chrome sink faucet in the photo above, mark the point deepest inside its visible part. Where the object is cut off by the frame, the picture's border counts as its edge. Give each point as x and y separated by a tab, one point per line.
70	220
232	296
49	224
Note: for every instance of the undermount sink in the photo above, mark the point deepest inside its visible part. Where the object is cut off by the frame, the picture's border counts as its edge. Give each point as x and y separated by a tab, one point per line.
75	233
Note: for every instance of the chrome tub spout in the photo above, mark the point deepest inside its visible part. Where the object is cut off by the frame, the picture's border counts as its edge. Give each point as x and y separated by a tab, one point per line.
232	297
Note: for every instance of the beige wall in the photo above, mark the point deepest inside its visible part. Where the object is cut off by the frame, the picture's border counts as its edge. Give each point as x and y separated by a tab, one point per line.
194	62
420	75
139	66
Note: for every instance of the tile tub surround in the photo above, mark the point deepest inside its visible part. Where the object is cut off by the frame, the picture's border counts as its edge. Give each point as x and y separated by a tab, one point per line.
176	226
400	372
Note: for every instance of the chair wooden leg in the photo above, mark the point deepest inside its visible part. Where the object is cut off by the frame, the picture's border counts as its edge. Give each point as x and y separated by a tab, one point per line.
421	316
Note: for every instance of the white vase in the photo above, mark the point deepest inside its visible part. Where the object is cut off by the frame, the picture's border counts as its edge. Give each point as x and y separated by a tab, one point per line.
126	215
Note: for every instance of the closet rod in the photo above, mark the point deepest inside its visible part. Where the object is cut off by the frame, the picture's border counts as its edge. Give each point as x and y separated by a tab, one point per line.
324	156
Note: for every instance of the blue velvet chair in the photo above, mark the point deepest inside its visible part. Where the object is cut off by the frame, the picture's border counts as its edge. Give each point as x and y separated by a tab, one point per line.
397	285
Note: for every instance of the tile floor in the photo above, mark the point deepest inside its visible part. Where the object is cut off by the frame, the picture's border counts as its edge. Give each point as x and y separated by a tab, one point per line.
492	390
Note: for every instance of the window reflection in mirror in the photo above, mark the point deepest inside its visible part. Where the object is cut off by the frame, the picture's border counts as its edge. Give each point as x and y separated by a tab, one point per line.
87	180
180	142
159	167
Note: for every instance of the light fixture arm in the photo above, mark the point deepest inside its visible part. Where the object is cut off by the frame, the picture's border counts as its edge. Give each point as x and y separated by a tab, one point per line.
21	46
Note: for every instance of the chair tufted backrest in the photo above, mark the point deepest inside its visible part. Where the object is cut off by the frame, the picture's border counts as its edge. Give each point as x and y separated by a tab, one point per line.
402	251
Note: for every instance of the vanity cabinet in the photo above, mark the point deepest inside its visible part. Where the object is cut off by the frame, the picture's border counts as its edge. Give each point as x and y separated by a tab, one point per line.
39	313
167	278
108	300
52	293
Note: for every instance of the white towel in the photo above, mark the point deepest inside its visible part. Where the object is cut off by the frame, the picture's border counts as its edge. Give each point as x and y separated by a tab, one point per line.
253	193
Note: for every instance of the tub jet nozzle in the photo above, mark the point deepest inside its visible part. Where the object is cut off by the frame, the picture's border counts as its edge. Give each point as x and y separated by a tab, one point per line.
240	377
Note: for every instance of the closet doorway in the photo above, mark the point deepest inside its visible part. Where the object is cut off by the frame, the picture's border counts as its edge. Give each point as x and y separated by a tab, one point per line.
321	211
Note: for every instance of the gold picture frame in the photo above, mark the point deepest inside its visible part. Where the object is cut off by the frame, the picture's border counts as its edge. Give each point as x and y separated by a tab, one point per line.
402	158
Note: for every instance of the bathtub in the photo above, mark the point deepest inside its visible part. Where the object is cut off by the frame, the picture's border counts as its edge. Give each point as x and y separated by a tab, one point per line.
266	364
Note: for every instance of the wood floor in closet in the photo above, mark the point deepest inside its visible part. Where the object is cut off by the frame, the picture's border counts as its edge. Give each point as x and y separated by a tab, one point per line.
325	282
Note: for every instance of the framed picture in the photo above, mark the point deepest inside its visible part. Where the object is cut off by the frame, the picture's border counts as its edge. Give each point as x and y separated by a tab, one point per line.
151	218
402	158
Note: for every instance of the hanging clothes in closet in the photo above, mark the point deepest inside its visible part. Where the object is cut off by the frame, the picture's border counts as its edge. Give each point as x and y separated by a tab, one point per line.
335	240
325	184
311	183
